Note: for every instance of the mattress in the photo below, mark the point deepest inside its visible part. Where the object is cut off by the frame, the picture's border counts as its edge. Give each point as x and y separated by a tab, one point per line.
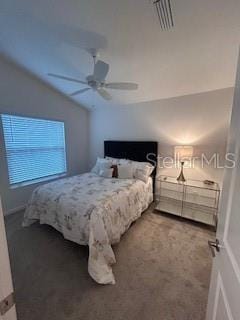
91	210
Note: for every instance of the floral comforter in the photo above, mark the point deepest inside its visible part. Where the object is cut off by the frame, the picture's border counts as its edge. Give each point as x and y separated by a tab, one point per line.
91	210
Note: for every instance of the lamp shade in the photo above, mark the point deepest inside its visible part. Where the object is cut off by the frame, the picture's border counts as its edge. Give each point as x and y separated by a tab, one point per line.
183	152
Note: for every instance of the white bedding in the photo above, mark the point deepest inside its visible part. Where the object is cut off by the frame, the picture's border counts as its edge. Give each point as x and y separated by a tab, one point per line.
91	210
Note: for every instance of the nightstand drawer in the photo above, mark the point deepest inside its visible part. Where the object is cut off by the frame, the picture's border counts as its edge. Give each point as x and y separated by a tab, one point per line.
169	205
198	213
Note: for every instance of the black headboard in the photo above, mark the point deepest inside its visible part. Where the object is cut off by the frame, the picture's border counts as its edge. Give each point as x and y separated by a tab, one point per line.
143	151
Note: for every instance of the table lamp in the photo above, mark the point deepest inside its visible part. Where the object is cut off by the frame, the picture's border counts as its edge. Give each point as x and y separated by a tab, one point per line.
183	154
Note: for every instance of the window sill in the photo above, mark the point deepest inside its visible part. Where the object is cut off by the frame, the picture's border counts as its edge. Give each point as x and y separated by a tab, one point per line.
39	180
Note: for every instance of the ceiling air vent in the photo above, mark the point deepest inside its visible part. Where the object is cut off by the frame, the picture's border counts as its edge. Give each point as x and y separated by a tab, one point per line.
164	12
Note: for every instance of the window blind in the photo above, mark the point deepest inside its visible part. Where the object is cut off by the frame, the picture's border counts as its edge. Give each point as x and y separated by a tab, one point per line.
35	148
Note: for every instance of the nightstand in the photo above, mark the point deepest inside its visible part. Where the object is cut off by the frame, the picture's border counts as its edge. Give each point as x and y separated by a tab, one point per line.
191	199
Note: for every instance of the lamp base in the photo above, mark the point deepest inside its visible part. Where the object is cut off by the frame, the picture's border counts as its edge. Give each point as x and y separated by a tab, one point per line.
181	177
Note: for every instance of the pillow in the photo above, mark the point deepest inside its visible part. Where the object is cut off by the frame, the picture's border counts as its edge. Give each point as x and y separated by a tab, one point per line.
125	171
142	170
101	164
115	171
113	160
139	174
116	160
106	173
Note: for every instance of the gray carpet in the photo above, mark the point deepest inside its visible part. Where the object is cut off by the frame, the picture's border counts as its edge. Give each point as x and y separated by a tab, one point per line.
162	273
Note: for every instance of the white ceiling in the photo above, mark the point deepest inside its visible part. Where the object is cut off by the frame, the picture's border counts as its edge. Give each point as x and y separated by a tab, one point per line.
198	55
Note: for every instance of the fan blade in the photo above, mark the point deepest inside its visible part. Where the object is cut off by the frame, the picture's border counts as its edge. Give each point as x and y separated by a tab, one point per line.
79	91
100	70
122	85
104	94
66	78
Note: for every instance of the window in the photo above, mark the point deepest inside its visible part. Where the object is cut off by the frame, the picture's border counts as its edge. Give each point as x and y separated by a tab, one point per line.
35	148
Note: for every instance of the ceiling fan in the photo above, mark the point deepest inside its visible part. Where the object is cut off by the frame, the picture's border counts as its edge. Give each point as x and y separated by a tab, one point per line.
96	81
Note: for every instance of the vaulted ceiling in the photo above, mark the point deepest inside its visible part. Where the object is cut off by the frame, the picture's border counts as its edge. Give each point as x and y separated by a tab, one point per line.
199	54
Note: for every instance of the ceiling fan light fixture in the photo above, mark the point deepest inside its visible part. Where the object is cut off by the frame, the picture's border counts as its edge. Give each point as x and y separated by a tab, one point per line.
164	13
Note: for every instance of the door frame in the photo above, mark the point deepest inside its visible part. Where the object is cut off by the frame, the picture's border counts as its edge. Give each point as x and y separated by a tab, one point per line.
6	285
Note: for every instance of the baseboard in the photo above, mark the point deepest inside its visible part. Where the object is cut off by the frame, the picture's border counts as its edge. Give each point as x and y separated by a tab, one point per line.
14	210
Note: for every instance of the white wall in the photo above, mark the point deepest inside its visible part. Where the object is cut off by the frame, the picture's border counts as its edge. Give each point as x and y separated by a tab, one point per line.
23	94
201	120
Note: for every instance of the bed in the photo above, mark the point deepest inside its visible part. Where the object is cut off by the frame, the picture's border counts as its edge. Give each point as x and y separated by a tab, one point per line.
95	211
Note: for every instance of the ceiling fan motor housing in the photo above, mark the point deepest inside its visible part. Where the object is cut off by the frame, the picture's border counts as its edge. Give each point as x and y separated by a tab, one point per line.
94	83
